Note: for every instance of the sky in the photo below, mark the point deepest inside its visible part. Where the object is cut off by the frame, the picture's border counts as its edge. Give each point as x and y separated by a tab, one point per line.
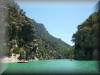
60	18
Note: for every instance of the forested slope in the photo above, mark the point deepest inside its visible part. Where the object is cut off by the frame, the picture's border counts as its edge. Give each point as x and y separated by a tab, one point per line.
87	37
31	39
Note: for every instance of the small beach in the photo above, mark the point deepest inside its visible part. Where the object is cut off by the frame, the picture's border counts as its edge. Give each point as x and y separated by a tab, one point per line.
11	59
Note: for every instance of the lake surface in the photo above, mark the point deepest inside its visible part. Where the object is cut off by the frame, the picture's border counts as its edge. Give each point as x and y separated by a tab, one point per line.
53	66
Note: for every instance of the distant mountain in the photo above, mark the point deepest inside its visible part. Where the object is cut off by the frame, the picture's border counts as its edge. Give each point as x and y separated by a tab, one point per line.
44	34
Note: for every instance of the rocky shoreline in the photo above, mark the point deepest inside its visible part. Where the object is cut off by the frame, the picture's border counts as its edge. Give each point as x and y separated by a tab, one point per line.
14	59
11	59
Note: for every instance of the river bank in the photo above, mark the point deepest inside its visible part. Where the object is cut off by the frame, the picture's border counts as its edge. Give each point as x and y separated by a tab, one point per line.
11	59
14	59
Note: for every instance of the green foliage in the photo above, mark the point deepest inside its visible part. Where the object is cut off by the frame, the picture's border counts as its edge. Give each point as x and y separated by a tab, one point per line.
22	31
22	54
16	50
85	38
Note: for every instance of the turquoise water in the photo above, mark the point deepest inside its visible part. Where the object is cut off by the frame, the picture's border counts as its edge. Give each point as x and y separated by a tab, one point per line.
53	66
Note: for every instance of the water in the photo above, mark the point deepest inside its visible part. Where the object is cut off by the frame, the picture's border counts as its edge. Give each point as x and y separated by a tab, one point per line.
53	66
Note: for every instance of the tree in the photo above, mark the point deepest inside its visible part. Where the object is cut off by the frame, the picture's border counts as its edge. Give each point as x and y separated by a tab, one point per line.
22	54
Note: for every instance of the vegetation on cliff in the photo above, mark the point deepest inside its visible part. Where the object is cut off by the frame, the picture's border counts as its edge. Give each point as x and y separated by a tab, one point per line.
31	39
86	38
